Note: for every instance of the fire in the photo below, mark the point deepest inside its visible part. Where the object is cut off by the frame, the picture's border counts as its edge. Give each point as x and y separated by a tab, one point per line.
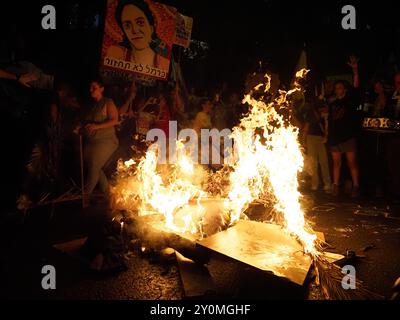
266	161
129	163
171	198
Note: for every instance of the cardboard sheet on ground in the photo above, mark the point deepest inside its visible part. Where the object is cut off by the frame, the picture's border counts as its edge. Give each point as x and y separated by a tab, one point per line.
196	278
263	246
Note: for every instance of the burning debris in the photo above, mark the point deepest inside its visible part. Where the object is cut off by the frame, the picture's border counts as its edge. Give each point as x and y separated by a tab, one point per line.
263	164
201	213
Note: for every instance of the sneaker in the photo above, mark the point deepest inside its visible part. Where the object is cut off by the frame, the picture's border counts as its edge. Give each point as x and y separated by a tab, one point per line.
355	192
335	190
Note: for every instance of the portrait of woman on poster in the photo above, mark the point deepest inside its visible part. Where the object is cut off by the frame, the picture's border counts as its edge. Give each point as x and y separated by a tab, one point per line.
140	42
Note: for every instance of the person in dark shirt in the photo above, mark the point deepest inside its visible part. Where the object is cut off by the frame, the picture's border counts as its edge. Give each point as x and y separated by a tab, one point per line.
342	130
380	107
394	99
393	141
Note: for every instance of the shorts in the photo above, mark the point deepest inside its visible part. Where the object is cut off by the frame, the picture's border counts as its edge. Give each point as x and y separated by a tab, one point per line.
346	146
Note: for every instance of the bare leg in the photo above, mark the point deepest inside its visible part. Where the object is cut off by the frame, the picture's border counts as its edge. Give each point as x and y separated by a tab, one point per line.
97	153
337	164
353	166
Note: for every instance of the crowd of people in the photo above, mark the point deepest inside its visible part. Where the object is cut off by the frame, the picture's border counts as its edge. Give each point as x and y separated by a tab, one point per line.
93	132
117	115
332	125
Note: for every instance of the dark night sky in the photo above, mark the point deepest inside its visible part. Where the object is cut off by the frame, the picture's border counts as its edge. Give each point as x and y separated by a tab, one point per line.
239	34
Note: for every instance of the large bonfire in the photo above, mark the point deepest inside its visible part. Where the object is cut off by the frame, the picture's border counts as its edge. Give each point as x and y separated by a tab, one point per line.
264	163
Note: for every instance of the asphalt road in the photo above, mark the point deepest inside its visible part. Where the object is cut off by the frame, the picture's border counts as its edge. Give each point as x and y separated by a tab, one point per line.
26	247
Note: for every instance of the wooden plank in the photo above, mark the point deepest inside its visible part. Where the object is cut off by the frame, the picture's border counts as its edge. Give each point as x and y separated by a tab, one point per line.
332	257
152	233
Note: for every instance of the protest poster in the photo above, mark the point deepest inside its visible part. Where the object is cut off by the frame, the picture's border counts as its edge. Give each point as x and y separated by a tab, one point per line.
138	38
183	33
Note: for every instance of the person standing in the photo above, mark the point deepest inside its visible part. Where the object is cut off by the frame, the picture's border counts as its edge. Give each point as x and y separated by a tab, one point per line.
203	121
394	103
380	103
219	113
100	140
163	115
124	97
315	138
203	118
393	142
342	131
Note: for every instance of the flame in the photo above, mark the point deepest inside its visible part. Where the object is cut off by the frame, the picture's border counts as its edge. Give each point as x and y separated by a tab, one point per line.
172	198
265	163
129	163
268	161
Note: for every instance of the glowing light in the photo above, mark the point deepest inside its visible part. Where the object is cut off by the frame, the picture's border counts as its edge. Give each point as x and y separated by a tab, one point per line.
266	161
